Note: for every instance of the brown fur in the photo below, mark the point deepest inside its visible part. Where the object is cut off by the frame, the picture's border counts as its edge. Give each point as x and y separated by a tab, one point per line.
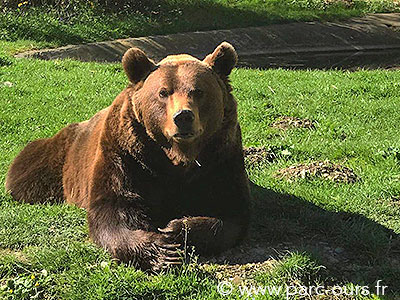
134	173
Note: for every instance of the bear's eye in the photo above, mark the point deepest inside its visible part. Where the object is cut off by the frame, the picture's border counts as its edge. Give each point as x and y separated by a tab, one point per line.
197	93
163	93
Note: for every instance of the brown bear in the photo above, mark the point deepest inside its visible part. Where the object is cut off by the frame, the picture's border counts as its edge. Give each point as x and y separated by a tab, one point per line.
160	168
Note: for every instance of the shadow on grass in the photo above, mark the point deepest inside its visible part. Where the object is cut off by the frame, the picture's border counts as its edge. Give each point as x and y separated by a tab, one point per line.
352	247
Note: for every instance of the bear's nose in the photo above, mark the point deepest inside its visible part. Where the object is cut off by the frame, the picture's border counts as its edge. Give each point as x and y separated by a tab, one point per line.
184	119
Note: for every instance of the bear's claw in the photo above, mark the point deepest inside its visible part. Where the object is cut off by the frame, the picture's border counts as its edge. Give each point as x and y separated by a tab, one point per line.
169	256
169	246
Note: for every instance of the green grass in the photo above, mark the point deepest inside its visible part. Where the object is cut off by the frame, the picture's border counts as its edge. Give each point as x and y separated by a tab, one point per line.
41	27
44	249
357	125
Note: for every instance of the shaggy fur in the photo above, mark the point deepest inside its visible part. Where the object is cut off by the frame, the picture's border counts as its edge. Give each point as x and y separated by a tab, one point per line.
144	186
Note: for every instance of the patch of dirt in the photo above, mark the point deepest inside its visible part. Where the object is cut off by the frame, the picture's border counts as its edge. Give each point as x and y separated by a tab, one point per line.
249	252
287	122
254	155
17	254
323	169
240	273
242	263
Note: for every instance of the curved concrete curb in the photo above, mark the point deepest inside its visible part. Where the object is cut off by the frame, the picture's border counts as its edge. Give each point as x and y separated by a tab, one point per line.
374	39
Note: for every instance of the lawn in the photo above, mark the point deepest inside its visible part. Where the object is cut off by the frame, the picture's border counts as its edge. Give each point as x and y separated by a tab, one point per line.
308	231
357	125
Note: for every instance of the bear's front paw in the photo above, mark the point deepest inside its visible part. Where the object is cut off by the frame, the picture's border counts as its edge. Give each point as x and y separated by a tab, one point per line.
176	230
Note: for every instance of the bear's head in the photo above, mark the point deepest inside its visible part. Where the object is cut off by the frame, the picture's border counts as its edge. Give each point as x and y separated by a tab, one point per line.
181	101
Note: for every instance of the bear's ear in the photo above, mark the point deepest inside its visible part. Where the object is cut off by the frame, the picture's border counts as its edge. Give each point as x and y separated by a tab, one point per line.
223	59
136	65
